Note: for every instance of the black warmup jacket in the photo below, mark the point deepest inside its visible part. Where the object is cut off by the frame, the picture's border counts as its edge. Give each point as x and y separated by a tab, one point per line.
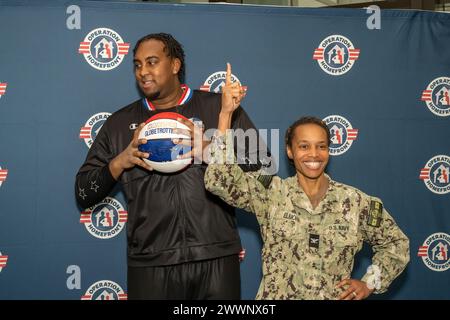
171	217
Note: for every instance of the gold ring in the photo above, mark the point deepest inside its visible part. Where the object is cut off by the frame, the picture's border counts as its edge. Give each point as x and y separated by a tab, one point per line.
354	294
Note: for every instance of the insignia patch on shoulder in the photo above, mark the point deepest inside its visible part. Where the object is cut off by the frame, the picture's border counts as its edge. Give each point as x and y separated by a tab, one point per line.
375	212
265	180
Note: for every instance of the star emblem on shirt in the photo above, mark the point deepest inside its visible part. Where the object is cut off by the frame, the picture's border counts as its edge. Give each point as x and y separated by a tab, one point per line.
94	186
81	193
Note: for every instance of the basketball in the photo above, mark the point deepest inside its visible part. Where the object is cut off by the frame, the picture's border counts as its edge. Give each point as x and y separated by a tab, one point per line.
159	132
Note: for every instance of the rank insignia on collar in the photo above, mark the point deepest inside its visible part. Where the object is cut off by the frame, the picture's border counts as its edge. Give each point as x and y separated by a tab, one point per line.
314	240
375	212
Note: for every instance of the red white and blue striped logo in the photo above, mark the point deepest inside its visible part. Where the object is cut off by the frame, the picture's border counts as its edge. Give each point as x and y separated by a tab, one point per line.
105	290
437	96
436	174
3	88
342	134
106	219
216	81
92	127
242	254
336	55
3	261
185	97
3	175
104	49
435	251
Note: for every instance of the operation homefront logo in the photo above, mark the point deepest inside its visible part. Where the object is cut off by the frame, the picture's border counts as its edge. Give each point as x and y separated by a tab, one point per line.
3	175
3	261
3	88
336	55
106	219
434	251
105	290
103	49
436	174
216	81
92	127
342	134
437	96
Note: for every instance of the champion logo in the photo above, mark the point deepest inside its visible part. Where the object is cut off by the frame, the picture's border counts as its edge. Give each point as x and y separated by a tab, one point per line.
3	175
436	174
342	134
435	251
105	290
3	88
437	96
106	219
216	81
185	97
103	49
336	55
3	261
92	127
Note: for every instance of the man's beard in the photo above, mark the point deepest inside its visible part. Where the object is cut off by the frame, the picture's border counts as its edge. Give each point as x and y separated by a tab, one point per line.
153	96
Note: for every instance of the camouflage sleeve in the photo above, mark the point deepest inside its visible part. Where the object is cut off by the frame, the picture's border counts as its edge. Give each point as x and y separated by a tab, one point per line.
389	244
224	178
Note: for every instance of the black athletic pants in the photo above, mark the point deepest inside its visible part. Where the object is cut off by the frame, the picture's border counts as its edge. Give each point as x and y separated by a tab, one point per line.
206	279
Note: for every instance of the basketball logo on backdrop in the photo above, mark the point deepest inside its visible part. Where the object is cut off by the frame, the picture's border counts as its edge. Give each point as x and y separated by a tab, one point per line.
216	81
436	174
3	175
342	134
103	49
105	290
92	127
3	261
435	250
336	55
3	89
105	219
437	96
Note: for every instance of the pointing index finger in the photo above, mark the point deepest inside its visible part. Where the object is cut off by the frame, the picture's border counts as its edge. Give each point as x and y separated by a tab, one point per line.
228	77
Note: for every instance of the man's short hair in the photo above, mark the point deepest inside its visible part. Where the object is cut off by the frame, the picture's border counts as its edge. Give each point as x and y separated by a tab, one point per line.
171	46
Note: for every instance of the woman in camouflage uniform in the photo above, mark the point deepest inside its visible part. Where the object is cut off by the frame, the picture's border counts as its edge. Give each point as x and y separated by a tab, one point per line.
311	225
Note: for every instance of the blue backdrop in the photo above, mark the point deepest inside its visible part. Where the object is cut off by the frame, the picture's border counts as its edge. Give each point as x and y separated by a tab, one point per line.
386	89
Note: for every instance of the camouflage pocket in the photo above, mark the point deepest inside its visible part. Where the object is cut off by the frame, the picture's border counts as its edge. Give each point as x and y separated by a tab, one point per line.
340	251
341	239
284	228
277	251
